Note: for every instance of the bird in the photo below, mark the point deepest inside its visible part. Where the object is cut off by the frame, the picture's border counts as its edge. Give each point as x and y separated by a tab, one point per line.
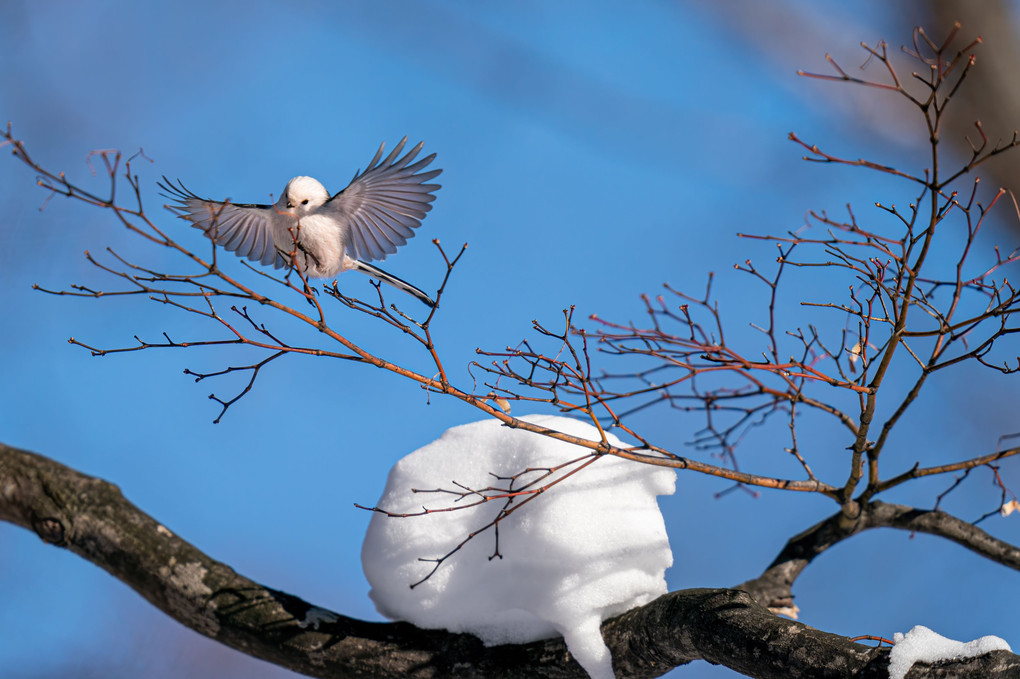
319	234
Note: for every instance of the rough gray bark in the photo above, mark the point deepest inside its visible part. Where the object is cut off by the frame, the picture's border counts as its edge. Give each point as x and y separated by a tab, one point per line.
91	517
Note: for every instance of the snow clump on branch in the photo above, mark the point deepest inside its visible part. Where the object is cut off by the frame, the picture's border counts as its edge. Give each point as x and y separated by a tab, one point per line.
922	644
590	547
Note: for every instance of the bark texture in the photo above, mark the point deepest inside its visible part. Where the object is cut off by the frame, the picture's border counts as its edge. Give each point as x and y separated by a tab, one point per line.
91	518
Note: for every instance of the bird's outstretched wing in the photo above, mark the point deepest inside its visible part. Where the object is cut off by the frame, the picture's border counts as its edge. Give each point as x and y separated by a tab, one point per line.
385	203
242	228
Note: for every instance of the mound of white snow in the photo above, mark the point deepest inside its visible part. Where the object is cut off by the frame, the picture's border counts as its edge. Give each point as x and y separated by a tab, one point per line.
921	644
590	548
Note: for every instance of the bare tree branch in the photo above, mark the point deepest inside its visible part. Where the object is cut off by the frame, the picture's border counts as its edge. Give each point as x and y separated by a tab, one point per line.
773	588
990	97
897	311
91	518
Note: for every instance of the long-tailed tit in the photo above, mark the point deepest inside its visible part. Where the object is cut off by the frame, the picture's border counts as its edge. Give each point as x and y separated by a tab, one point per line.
324	235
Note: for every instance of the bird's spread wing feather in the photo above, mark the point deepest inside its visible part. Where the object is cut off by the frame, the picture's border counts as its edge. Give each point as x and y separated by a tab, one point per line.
385	203
242	228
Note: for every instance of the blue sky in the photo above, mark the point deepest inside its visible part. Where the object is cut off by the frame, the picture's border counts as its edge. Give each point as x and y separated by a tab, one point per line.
591	152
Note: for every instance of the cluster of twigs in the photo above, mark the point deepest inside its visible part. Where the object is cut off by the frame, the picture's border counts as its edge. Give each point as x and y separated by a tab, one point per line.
208	287
896	306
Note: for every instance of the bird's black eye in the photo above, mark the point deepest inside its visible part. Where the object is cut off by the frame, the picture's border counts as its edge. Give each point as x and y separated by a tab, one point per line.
304	202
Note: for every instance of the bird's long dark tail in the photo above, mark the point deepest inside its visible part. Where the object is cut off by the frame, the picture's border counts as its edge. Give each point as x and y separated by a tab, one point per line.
390	279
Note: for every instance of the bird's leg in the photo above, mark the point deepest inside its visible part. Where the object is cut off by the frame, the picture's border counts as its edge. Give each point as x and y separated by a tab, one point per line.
307	254
309	291
291	260
295	234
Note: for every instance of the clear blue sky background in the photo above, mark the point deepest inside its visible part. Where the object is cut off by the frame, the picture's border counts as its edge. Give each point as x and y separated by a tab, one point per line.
591	152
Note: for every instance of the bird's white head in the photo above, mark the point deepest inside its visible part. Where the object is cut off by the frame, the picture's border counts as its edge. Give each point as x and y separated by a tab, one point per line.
304	194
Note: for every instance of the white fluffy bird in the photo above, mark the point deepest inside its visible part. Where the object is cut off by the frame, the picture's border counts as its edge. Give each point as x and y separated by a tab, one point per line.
324	235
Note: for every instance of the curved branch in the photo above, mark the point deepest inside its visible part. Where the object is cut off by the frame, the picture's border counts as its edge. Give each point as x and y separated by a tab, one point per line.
774	587
92	518
937	522
917	472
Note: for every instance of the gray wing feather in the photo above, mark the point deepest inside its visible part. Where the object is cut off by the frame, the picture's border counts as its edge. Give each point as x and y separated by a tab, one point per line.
238	227
385	204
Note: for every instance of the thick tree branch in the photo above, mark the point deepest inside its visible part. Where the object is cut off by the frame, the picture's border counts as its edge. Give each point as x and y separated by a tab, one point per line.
92	518
773	588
